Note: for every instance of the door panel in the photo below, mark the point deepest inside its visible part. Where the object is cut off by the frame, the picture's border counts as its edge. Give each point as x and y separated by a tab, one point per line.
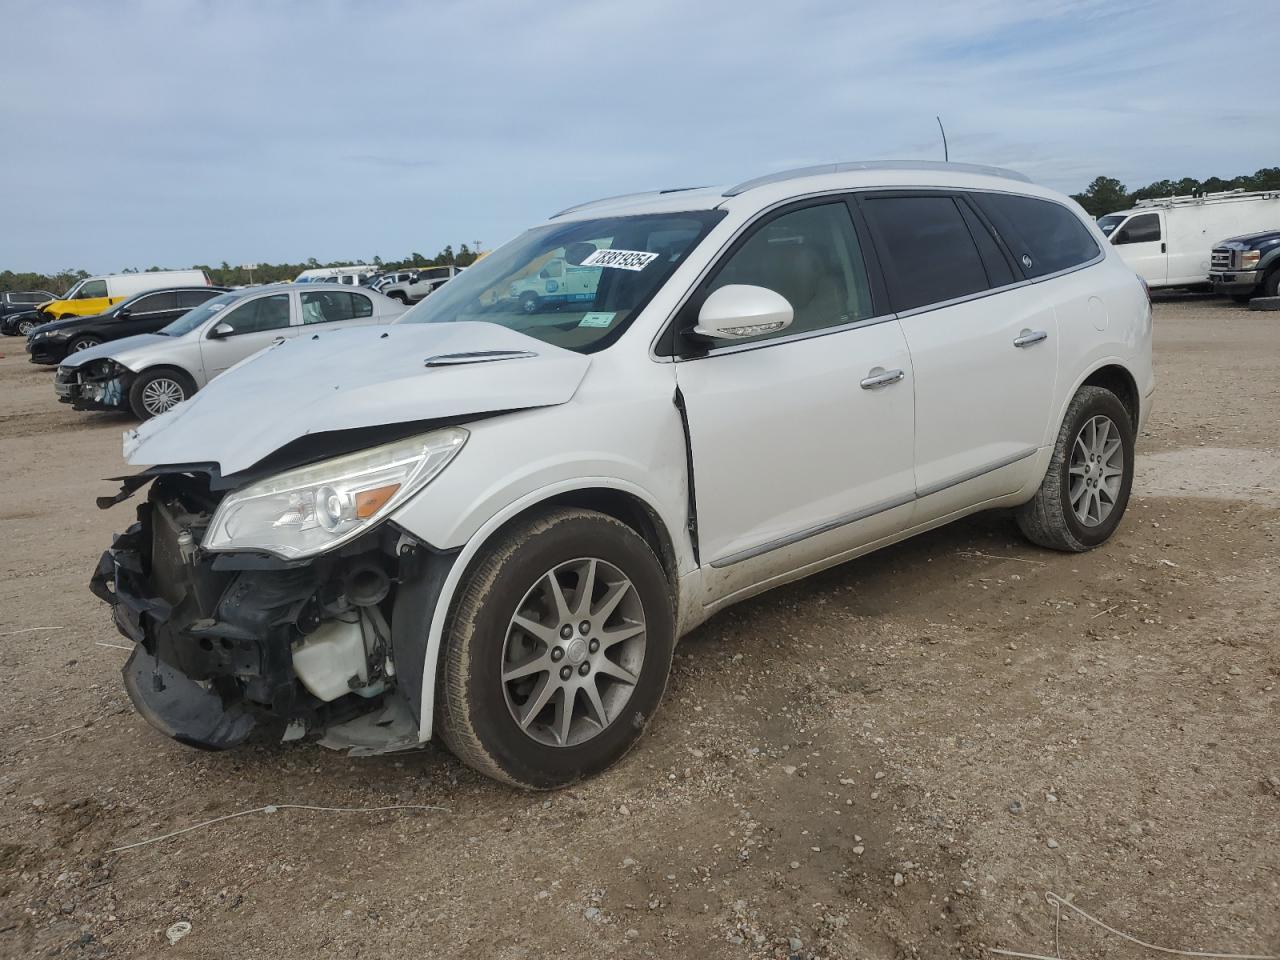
258	323
787	445
801	439
1140	242
981	400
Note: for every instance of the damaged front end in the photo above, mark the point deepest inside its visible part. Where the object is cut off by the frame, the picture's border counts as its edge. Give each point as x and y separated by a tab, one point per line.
233	645
97	385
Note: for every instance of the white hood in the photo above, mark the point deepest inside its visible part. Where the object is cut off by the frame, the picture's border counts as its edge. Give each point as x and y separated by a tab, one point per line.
126	351
351	378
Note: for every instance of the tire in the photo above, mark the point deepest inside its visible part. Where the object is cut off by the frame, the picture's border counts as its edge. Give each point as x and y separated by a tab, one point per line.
25	327
480	697
1051	518
529	302
153	392
398	295
82	343
1271	284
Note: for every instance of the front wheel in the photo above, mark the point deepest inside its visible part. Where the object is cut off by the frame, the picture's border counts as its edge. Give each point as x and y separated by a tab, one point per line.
529	302
159	391
1086	488
557	651
82	343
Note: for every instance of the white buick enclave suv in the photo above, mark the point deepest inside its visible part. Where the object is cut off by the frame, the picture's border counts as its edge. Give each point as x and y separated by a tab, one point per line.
492	522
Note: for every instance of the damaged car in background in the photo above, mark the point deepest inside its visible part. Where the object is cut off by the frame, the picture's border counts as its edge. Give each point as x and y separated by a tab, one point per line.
149	374
490	522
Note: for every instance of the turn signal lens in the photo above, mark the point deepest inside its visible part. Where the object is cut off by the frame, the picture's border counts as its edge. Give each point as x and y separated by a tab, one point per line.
369	502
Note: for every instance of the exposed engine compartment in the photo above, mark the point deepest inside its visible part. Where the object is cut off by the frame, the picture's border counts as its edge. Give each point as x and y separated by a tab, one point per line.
238	645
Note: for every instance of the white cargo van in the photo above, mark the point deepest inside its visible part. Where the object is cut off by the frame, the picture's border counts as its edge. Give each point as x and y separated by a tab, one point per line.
1168	241
93	295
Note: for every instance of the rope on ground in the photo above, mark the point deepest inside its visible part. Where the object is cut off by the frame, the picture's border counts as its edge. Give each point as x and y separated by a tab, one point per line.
272	808
1058	902
10	633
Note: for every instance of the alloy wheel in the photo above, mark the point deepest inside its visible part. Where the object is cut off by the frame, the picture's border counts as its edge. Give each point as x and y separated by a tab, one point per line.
1096	470
82	345
160	395
573	652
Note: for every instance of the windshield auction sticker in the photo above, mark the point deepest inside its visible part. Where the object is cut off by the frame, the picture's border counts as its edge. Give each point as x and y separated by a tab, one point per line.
620	259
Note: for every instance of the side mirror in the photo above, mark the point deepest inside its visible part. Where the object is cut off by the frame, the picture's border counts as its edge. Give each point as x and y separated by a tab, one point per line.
740	310
221	330
123	313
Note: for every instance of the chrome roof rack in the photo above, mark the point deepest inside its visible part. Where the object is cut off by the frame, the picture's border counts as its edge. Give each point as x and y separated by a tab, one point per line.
852	165
622	196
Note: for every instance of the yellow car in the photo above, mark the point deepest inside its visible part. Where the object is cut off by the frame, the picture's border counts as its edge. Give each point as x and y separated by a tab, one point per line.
94	295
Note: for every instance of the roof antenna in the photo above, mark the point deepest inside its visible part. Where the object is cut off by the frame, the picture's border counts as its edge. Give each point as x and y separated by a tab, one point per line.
946	155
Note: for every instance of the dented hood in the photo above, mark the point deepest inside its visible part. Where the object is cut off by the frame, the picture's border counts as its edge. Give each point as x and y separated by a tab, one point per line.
356	378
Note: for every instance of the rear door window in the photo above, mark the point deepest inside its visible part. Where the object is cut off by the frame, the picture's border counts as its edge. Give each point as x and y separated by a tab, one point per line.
1045	237
329	306
193	298
926	249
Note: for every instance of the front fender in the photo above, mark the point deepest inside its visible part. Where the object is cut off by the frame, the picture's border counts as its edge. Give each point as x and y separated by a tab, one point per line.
442	579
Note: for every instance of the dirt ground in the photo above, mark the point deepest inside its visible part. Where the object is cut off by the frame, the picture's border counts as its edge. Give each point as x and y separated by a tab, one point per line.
896	758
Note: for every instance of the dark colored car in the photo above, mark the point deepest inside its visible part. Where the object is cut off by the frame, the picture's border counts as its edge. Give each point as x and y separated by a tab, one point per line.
141	313
1247	266
22	302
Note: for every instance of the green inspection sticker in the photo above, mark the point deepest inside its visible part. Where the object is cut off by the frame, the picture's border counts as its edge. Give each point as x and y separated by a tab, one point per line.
597	319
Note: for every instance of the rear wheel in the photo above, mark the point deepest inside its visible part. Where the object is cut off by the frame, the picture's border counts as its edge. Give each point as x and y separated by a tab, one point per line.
529	302
26	326
557	651
1086	488
159	391
398	295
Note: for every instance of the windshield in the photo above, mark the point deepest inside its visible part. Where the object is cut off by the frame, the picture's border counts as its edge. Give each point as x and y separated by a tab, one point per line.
194	318
1109	223
71	294
574	285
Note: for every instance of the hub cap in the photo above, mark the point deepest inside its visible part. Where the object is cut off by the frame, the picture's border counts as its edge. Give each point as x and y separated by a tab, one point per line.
573	652
160	395
1096	471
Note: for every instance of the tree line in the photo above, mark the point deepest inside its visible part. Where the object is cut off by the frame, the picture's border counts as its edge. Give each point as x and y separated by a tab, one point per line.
1103	195
1107	194
225	275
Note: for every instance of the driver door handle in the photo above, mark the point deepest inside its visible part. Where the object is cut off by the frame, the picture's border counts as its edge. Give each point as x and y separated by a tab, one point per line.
877	380
1028	337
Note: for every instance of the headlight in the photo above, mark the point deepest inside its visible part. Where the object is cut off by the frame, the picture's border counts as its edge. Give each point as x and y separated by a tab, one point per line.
306	511
1249	259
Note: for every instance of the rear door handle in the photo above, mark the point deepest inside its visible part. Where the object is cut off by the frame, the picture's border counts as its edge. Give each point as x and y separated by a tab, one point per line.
877	380
1027	337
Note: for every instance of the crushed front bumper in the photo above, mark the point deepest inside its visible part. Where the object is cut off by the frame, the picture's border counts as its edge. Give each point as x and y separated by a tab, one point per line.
72	385
230	646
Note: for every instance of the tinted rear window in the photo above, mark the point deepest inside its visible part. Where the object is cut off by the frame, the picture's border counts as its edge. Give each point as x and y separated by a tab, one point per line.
1045	237
927	251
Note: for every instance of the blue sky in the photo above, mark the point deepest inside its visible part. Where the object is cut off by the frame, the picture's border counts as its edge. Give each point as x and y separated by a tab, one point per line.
171	132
